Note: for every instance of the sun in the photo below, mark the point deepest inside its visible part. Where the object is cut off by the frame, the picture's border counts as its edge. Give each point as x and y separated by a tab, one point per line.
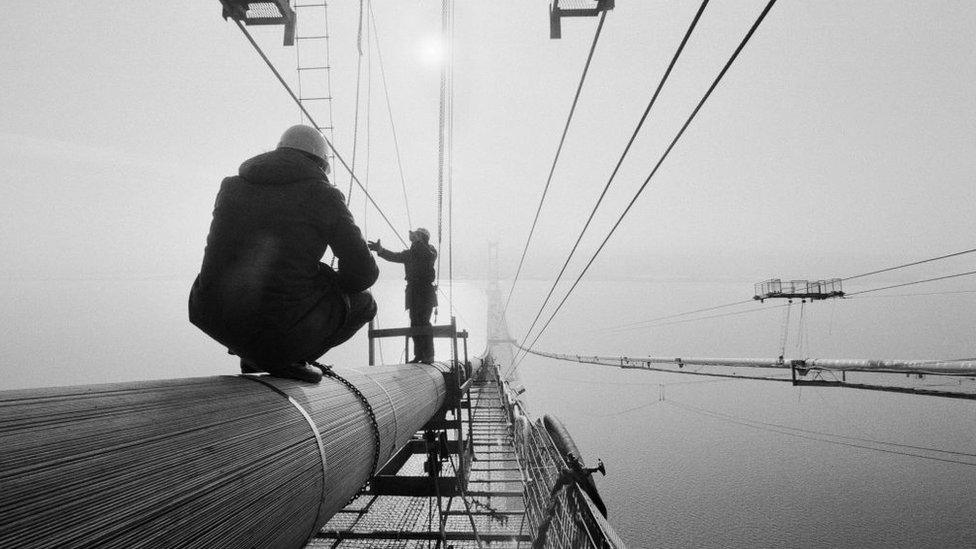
432	51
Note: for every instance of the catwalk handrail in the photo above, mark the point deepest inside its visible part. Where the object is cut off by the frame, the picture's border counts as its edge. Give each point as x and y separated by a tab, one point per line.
228	461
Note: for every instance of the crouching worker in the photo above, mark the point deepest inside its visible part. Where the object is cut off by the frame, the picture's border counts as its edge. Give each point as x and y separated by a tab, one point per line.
421	298
263	291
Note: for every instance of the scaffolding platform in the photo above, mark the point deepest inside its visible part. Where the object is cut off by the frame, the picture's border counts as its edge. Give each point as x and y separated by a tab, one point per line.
798	289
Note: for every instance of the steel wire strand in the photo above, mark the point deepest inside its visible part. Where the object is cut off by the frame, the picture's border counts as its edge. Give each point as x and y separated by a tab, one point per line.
389	110
613	174
328	142
804	434
664	156
555	160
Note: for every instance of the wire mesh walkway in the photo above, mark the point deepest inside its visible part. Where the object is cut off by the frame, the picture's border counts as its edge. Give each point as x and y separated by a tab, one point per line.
494	495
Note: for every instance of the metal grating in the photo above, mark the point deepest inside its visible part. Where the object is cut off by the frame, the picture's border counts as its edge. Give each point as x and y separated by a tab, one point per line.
269	12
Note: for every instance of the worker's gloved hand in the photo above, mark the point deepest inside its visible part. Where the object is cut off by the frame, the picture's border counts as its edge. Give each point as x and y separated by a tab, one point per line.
374	246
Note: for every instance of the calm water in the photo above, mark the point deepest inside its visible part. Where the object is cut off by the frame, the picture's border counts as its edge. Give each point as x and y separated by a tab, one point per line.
713	464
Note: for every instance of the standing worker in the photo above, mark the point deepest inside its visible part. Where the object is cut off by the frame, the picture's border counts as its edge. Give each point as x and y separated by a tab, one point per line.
421	294
263	291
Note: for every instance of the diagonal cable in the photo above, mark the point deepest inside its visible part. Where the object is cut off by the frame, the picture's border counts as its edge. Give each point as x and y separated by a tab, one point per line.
967	273
552	169
312	121
620	161
896	267
657	166
389	110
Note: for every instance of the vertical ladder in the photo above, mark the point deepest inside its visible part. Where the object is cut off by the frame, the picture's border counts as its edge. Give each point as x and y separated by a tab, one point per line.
313	58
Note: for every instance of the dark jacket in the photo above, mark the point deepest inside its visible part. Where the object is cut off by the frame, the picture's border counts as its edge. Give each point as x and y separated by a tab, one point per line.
261	268
418	266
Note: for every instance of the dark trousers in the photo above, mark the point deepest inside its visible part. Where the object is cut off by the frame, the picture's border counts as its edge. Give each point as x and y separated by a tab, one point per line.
360	309
333	320
423	346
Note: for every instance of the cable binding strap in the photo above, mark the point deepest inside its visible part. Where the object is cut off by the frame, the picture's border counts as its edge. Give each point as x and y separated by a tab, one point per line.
329	372
320	520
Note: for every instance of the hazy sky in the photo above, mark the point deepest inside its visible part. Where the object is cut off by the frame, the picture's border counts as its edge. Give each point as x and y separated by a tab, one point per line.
840	141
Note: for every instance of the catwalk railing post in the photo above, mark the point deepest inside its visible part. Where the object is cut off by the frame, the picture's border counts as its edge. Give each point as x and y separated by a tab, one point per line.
372	344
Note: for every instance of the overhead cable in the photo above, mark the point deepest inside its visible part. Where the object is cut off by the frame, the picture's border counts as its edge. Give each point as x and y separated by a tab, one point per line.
312	121
640	323
613	174
910	264
552	169
389	110
664	156
967	273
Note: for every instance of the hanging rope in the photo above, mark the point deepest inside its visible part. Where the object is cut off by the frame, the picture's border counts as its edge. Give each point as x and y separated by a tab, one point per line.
801	330
311	119
786	329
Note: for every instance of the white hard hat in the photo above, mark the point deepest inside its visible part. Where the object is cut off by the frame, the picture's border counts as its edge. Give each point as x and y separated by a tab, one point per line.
304	138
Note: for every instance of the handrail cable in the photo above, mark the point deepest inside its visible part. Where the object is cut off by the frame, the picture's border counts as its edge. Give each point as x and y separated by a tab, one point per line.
312	120
667	151
552	169
389	110
613	174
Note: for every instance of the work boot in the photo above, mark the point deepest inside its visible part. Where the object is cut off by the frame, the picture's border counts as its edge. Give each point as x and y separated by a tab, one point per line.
297	370
324	368
248	367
